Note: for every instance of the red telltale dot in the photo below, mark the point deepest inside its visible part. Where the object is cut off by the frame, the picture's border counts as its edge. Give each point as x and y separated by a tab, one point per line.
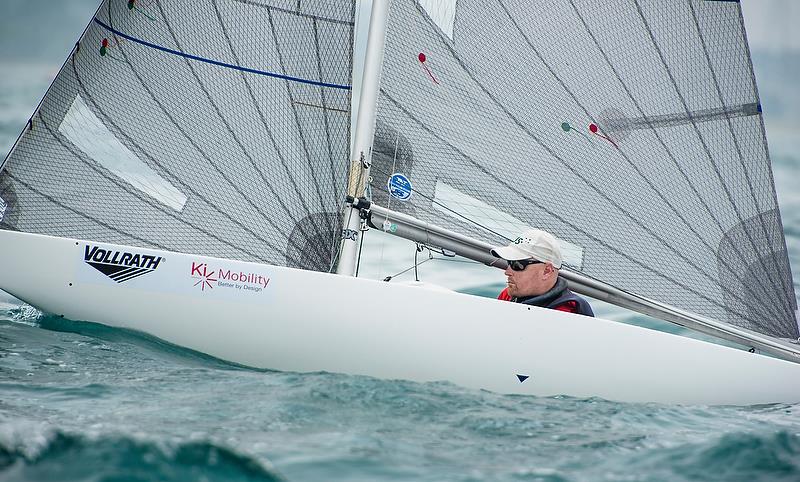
593	128
105	42
422	57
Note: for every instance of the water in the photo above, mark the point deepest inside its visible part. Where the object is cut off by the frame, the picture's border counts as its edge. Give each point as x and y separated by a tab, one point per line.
83	402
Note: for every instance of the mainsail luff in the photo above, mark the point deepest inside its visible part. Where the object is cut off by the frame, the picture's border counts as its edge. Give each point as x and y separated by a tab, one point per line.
717	208
218	128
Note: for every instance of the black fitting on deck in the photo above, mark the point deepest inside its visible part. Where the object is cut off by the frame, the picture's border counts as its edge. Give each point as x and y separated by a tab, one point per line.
358	203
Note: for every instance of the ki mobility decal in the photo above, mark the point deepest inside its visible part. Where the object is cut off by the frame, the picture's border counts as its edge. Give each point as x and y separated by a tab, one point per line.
207	278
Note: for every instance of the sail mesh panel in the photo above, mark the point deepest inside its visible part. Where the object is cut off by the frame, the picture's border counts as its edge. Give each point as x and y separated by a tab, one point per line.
670	197
216	127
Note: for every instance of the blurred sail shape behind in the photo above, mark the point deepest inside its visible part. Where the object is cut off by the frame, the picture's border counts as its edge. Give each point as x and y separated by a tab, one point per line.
215	127
632	130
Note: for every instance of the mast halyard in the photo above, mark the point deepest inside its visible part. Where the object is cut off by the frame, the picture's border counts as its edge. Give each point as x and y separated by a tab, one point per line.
361	154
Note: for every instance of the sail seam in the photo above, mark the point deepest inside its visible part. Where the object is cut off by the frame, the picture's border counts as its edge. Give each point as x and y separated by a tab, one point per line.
620	151
79	213
269	132
580	176
327	127
186	186
199	150
661	141
770	174
136	193
481	168
298	124
233	135
218	63
355	14
295	12
725	187
782	279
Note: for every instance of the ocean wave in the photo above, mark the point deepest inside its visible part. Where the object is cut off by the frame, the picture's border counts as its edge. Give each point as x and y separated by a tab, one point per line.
20	313
64	456
744	456
118	337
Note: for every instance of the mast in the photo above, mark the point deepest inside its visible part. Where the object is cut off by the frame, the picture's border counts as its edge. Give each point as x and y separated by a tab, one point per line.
411	228
365	129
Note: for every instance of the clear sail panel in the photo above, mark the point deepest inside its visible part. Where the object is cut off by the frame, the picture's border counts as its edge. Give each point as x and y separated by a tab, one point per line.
217	127
630	130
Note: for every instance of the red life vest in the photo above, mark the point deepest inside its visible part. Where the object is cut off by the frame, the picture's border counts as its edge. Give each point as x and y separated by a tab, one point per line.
568	302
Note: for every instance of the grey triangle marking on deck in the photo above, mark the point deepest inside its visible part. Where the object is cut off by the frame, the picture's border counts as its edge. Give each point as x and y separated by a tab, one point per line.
522	378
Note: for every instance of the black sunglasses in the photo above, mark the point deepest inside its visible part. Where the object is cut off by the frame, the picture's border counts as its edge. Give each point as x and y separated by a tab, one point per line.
520	265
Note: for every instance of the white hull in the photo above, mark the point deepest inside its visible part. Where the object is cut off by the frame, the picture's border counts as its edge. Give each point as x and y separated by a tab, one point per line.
302	321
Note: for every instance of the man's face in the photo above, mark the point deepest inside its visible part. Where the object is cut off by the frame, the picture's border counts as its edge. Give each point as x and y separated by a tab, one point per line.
535	279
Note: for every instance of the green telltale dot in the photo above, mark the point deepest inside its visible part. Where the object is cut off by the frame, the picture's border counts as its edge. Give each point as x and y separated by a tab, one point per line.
102	51
565	126
131	4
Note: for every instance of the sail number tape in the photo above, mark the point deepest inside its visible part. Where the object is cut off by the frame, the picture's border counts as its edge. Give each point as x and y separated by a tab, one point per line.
399	186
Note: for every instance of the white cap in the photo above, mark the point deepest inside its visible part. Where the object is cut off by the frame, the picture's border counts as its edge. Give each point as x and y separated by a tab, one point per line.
533	243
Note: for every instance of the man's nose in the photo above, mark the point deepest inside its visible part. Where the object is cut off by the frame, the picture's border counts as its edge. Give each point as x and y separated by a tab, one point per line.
508	271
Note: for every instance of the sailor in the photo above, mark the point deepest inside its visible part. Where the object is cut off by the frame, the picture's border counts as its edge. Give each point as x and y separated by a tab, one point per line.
532	273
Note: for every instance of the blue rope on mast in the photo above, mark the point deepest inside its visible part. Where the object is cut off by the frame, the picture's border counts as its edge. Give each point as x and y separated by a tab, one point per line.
218	63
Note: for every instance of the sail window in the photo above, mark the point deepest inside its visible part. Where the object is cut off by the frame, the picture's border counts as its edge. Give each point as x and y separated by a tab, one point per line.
90	135
450	201
442	12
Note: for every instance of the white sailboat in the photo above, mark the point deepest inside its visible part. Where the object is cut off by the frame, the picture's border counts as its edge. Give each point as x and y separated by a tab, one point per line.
188	175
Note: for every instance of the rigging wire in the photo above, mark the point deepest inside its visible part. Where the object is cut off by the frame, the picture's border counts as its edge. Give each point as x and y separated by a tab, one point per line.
447	256
388	202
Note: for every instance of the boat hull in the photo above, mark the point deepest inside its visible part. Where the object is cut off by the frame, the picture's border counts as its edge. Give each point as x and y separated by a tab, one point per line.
285	319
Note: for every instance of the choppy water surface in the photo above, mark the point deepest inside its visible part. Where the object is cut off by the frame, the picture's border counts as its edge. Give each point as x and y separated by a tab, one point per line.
85	402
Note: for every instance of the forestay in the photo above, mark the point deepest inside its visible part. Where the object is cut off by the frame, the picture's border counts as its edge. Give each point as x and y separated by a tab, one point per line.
215	127
631	130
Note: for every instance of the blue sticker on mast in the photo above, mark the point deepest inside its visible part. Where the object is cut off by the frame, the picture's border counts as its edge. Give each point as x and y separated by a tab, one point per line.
399	186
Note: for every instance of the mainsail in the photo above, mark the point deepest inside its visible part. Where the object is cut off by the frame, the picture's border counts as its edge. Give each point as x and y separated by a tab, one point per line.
631	130
214	127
